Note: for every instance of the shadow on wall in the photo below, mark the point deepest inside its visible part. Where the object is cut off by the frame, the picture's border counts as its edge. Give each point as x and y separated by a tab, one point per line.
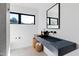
77	46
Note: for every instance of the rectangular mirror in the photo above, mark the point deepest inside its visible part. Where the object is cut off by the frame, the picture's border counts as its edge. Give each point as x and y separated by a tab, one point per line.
53	16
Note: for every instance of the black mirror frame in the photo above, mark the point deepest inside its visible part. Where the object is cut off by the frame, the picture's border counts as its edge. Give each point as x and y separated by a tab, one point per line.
58	22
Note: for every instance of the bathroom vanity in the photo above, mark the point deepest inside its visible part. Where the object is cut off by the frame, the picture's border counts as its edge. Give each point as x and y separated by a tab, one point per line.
55	45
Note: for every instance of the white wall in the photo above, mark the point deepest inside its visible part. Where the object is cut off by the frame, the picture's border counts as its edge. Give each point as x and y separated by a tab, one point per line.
7	29
69	21
3	29
26	32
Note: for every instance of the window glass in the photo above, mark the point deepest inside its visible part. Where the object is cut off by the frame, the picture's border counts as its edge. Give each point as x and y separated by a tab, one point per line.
19	18
26	19
14	19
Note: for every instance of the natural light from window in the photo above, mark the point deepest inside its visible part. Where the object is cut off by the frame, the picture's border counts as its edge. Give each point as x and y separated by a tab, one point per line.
26	19
14	18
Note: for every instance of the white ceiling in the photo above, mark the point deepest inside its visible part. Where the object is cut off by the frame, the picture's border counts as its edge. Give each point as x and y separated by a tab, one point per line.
33	5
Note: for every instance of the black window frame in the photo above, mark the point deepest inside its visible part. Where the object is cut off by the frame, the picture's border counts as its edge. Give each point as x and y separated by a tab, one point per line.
19	17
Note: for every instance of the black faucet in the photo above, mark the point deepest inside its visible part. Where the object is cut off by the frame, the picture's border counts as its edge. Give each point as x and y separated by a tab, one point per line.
46	33
54	32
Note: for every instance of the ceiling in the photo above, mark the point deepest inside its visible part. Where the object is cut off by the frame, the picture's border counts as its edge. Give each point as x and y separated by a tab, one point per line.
33	5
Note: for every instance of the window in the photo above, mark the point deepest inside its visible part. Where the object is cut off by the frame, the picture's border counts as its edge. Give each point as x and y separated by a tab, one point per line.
26	19
14	18
19	18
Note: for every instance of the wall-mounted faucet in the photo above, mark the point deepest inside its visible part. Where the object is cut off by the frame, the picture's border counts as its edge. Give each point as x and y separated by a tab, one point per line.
54	32
46	33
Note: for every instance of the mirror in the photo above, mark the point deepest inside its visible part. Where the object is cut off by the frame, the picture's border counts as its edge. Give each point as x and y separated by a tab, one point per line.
53	16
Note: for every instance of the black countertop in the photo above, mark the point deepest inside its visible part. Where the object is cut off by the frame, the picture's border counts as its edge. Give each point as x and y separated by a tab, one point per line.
56	45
